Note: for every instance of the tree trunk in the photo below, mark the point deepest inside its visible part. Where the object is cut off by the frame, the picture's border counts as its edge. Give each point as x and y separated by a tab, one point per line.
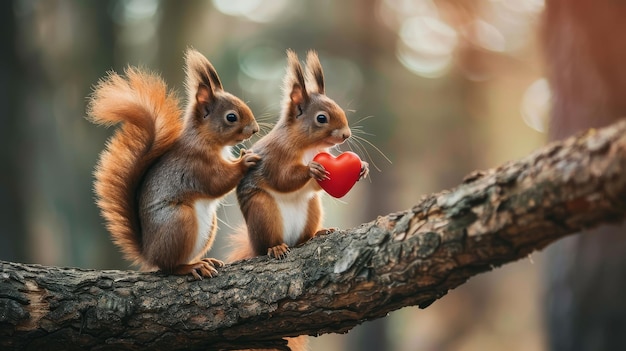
12	242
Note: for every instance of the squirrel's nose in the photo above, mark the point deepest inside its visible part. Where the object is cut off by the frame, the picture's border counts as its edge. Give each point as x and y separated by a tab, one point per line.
346	134
252	129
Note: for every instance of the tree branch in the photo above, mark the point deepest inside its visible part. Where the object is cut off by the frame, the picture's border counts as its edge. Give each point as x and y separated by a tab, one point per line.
333	282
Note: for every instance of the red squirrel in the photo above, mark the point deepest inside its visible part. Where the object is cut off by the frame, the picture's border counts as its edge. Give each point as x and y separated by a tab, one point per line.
162	175
279	197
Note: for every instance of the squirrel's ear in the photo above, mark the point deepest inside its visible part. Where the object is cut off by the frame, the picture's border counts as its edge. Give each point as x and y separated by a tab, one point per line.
297	94
201	75
294	85
314	73
204	94
213	77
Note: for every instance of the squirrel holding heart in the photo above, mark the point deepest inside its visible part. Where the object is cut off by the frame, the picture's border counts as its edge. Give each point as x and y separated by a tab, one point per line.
279	196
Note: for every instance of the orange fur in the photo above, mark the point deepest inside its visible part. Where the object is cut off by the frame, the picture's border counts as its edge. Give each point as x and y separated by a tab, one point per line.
239	246
151	123
314	220
161	176
300	343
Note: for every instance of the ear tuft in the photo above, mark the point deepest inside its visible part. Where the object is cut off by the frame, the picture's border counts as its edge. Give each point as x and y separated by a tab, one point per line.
314	73
294	83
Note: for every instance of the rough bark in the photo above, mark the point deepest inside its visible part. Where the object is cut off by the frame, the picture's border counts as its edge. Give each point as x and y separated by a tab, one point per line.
336	281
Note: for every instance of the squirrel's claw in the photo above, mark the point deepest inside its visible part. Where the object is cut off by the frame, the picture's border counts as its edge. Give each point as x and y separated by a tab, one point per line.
214	262
204	268
318	172
279	251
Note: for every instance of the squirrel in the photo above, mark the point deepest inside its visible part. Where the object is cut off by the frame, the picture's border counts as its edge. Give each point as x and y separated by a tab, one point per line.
279	196
161	176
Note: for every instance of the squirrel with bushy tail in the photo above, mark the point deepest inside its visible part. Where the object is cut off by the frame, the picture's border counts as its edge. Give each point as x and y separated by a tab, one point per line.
162	175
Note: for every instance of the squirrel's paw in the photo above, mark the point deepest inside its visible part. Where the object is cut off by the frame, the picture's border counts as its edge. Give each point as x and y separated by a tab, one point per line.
204	268
325	231
249	158
279	251
214	262
317	171
243	151
365	170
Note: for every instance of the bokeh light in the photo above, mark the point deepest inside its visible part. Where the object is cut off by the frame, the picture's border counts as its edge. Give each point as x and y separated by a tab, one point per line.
254	10
535	106
426	46
487	36
132	10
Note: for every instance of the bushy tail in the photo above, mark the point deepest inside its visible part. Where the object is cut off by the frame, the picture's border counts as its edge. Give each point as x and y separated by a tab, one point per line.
239	246
150	120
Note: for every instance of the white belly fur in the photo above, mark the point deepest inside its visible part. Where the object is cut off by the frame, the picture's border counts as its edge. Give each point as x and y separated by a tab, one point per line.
205	212
293	209
294	206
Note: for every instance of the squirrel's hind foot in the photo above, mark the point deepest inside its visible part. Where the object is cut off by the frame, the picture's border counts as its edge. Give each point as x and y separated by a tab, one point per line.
325	231
278	251
206	268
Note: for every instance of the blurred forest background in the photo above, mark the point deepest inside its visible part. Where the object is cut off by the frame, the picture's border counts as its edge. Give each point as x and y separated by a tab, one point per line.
441	87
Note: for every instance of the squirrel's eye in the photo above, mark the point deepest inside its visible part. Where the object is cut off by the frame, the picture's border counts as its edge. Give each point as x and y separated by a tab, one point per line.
322	118
231	117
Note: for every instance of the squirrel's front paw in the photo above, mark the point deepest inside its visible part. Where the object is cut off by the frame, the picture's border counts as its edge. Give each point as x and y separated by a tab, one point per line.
249	158
317	171
365	170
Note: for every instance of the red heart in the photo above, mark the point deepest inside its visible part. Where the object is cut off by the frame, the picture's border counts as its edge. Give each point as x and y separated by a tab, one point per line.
344	171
